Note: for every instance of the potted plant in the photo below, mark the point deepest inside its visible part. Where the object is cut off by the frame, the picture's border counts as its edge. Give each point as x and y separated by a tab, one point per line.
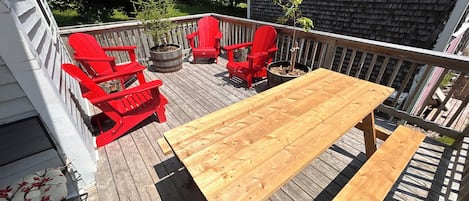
282	71
166	57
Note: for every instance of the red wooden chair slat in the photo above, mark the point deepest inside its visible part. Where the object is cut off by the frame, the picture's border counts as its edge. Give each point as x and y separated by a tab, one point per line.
209	36
93	57
263	48
125	108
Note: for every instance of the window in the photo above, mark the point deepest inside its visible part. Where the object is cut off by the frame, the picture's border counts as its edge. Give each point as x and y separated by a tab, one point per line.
23	138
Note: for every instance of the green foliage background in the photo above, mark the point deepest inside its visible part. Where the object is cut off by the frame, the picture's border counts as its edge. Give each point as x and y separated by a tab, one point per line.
73	12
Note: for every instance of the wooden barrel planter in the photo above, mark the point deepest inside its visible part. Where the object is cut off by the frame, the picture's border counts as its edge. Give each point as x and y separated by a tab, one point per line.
166	61
274	79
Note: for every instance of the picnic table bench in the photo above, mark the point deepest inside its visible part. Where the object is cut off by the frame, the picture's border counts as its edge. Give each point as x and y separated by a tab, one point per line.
248	150
379	173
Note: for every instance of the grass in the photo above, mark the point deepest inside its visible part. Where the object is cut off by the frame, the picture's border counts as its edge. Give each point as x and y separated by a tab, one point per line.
184	9
71	17
446	140
447	79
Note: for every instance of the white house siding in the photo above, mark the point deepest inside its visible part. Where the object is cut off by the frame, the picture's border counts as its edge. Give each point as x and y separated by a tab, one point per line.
11	95
32	54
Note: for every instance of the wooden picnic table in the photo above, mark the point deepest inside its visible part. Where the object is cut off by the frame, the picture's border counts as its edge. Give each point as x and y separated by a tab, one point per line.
248	150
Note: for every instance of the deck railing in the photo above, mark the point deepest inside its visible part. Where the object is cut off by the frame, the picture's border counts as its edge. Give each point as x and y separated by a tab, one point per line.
407	69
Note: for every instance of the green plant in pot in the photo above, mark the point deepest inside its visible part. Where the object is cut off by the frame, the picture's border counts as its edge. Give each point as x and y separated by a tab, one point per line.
153	14
282	71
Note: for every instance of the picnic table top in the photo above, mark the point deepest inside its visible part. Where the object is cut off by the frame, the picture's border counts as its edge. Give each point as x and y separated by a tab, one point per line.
249	149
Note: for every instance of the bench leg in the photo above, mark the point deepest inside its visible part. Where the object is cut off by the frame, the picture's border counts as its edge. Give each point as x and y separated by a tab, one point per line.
369	134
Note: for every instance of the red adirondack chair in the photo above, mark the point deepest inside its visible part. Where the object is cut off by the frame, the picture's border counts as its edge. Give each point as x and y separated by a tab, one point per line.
262	51
209	37
125	108
96	62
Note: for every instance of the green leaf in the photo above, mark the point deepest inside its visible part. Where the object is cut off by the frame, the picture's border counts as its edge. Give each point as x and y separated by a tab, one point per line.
306	23
296	2
282	20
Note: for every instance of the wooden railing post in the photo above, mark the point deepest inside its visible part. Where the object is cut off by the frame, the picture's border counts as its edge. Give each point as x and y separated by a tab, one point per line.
329	55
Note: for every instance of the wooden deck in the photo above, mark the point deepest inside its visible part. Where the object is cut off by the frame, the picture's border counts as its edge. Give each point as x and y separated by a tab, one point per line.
134	168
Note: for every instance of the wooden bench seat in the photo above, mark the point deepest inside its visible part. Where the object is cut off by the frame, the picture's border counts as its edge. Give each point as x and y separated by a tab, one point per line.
379	173
165	148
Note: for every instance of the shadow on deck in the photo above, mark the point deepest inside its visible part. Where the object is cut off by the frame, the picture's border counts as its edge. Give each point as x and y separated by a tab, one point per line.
134	167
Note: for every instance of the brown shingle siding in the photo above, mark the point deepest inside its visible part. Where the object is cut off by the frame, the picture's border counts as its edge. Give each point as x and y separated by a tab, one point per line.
408	22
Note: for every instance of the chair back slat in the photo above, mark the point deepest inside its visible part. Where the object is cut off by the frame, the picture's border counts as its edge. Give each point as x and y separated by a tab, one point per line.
85	45
92	89
208	29
265	38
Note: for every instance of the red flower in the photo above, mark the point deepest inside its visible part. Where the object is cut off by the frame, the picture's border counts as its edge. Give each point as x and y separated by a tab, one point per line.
45	198
4	192
23	184
42	182
27	189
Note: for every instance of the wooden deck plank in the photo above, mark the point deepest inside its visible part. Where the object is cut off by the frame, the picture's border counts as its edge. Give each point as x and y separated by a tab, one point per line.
208	91
203	97
105	186
328	172
147	153
295	192
165	185
310	187
154	132
218	77
280	196
141	175
123	179
325	183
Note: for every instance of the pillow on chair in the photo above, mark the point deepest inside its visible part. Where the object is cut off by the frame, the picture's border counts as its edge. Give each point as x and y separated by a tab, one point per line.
44	185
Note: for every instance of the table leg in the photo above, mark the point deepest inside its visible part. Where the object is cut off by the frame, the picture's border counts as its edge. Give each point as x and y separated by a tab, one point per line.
369	134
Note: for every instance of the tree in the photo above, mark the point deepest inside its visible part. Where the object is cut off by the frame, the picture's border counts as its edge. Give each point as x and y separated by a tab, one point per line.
93	10
291	12
153	14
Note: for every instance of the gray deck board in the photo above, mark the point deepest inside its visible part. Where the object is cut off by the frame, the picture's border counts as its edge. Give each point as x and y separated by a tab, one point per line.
105	184
134	167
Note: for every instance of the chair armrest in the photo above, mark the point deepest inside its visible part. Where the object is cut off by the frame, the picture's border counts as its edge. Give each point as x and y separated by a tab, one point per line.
119	74
192	35
98	59
237	46
272	50
229	49
119	48
259	54
143	87
219	35
130	50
